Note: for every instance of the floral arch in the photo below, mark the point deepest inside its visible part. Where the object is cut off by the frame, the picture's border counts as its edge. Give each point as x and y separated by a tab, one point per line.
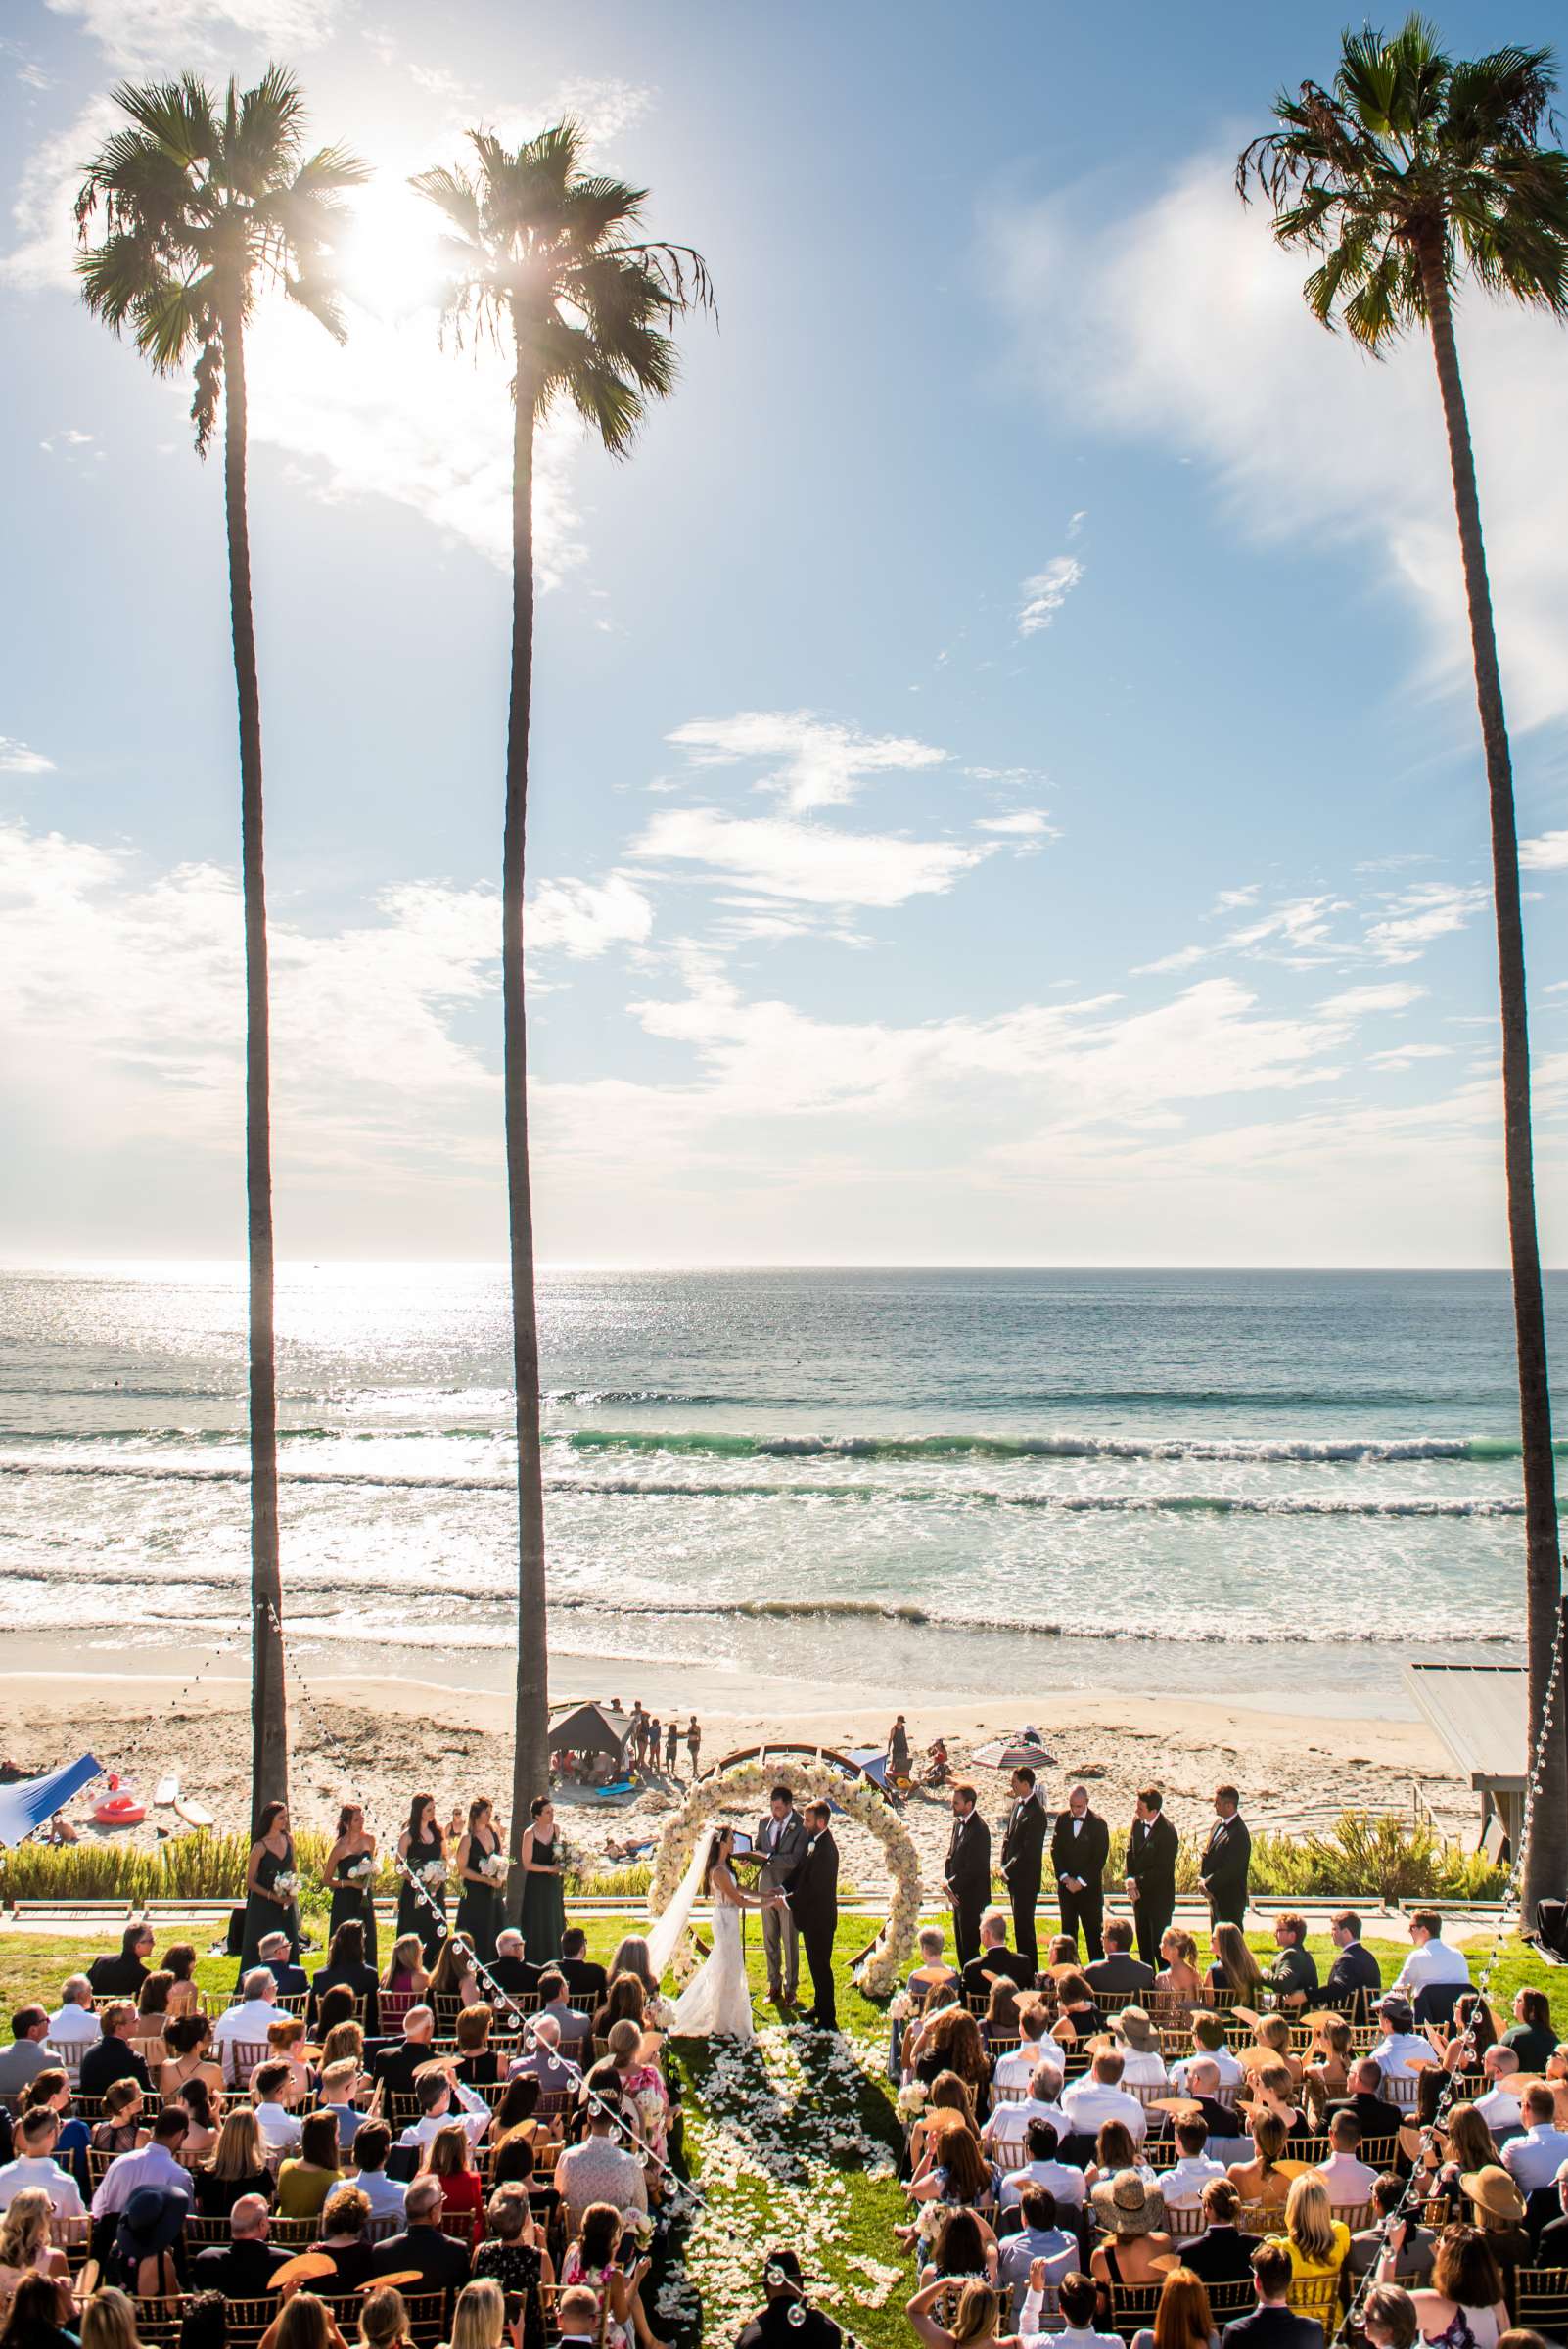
736	1787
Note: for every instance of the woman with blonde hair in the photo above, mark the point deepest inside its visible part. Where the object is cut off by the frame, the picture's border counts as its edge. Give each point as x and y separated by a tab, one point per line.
979	2312
404	1982
1272	2031
152	2016
1261	2180
384	2319
303	2322
1235	1966
108	2321
26	2249
345	2043
1274	2091
479	2319
236	2165
1178	1982
1318	2243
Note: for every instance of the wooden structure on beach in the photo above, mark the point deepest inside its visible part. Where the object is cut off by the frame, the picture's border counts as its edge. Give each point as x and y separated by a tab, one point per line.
1478	1710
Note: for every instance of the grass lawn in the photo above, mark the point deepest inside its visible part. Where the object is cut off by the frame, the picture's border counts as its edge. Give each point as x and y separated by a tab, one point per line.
791	2141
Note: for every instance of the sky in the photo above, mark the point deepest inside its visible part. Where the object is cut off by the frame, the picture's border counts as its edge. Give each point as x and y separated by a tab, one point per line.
1006	784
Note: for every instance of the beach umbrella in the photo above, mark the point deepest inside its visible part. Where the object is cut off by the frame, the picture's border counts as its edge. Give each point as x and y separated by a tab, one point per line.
1014	1753
26	1806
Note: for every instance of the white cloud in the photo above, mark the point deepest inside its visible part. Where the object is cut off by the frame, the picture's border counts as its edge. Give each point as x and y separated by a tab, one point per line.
1406	1056
1356	1003
582	918
1231	900
1298	932
1548	853
778	859
1185	322
138	34
824	763
44	250
1431	909
17	758
1046	592
1023	823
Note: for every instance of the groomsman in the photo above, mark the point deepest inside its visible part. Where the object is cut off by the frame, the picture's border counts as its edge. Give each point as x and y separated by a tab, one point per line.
1081	1845
967	1872
1227	1860
1023	1849
1152	1851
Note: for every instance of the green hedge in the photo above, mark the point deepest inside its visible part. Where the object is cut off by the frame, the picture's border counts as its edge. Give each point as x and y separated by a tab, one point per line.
206	1866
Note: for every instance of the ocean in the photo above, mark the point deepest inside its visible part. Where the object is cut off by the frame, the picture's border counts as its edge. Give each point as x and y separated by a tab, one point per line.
1282	1484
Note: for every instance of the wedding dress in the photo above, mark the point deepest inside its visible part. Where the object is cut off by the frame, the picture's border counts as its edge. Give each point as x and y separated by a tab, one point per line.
716	2003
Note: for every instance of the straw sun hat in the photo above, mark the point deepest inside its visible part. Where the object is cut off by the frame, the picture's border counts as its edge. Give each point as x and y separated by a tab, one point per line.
1124	2206
1494	2192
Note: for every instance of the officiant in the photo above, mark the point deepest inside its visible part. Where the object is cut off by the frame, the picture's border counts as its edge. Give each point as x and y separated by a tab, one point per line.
781	1839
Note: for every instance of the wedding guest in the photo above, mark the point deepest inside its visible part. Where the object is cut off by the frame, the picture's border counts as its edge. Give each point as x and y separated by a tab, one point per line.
121	2129
1499	2211
454	1977
271	2083
1152	1853
1498	2104
394	2069
28	2248
1183	2319
1318	2242
962	2245
514	2257
585	1979
1293	1976
33	2320
1100	2096
111	2057
1271	2325
1040	2237
949	2040
1008	2126
1377	2113
1142	2065
1134	2247
1347	2179
993	1960
933	1979
1178	1979
382	2320
345	2218
1235	1966
541	2061
1035	2046
450	2156
592	2264
509	1969
1354	1969
406	1976
237	2166
1412	2244
155	2165
28	2054
308	2178
598	2170
122	1975
270	1905
1226	1861
1326	2073
1534	2159
1388	2319
966	1872
1462	2051
1195	2167
571	2025
34	2166
440	2264
50	2092
1119	1975
1208	2046
188	2044
422	1890
1261	2180
205	2107
278	1956
1431	1960
243	2268
75	2021
1065	2183
1077	2016
1222	2253
286	2039
1114	2152
442	2099
247	2024
350	1968
372	2145
1530	2035
1081	1843
1466	2291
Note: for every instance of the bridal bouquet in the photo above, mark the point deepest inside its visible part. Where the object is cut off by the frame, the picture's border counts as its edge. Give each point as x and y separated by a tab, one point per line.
495	1868
433	1875
286	1885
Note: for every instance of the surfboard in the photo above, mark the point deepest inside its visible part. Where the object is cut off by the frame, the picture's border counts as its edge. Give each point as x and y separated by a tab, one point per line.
166	1791
194	1814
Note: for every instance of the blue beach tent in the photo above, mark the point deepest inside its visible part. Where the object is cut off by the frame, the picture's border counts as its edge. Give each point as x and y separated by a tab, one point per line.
32	1803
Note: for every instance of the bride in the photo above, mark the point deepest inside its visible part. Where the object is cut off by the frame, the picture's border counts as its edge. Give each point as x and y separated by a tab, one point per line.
717	2001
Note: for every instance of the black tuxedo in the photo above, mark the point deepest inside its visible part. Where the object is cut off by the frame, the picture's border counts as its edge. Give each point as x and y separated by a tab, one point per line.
1227	1860
966	1872
812	1891
1152	1851
996	1966
1354	1970
1023	1849
1082	1855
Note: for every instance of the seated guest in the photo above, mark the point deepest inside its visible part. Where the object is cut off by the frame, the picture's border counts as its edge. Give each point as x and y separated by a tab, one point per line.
236	2166
405	1979
1261	2180
510	1970
1388	2319
450	2156
1222	2253
952	2173
50	2092
1348	2180
517	2115
541	2061
111	2056
249	2023
1142	2065
1293	1976
1115	2151
308	2178
290	1980
1412	2245
1318	2242
1235	1966
1179	1980
1077	2018
1377	2115
1119	1975
286	2039
1401	2052
786	2315
345	2217
1225	2126
179	1964
949	2093
337	2083
1078	2297
372	2145
1271	2324
345	2043
1534	2159
1183	2319
394	2068
1326	2073
122	1975
27	2056
949	2040
1035	2046
1500	2210
1461	2047
1100	2096
1208	2046
478	2065
1275	2092
513	2255
156	2167
1551	2249
1003	2135
1464	2299
597	2170
998	2025
1065	2184
1183	2185
34	2166
1499	2105
585	1979
932	1976
188	2041
206	2108
455	1976
1133	2247
1431	1960
995	1958
243	2268
1040	2238
345	1968
124	2124
1271	2033
553	2002
443	2098
1460	2147
1531	2035
962	2245
280	2128
1354	1969
75	2023
152	2016
440	2264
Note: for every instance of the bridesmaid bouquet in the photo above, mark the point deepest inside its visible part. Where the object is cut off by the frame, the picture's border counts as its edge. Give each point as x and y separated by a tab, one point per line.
433	1875
286	1885
360	1870
495	1868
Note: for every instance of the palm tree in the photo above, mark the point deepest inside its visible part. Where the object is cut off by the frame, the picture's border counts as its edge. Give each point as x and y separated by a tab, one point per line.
548	262
1411	173
205	203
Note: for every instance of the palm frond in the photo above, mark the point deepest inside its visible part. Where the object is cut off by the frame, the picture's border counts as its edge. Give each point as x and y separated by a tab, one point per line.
454	194
180	116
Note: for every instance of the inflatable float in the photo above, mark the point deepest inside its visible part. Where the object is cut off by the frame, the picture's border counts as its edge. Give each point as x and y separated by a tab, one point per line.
118	1806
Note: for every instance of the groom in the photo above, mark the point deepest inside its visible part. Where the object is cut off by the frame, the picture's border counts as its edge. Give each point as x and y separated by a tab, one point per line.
780	1848
813	1898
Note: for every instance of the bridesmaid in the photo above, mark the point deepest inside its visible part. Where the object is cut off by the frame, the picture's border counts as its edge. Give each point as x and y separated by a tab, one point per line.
420	1844
353	1901
478	1911
543	1900
266	1909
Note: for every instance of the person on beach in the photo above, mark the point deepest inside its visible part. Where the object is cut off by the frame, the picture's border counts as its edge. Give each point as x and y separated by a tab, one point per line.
672	1743
694	1742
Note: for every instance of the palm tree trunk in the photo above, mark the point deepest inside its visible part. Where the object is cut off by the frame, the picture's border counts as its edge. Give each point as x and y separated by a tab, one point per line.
530	1757
1547	1863
269	1736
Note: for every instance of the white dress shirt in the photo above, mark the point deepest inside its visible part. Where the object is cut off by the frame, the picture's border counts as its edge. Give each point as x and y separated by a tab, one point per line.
152	2165
1350	2182
1500	2109
1057	2179
1142	2066
465	2106
1394	2055
1433	1962
73	2026
1006	2131
1534	2159
1019	2068
280	2128
1184	2185
384	2194
65	2197
1088	2103
1224	2063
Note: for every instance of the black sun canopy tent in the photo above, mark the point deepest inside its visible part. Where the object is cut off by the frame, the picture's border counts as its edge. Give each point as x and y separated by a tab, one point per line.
589	1730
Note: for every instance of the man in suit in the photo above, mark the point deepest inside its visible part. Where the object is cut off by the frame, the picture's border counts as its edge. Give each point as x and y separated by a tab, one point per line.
1227	1860
1355	1969
292	1980
1222	2254
1293	1976
442	2264
1119	1974
1081	1844
813	1893
1152	1851
243	2268
1023	1849
995	1960
1375	2115
780	1848
966	1871
1271	2324
585	1979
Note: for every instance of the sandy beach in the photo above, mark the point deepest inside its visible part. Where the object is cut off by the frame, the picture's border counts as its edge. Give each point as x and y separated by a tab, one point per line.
378	1738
